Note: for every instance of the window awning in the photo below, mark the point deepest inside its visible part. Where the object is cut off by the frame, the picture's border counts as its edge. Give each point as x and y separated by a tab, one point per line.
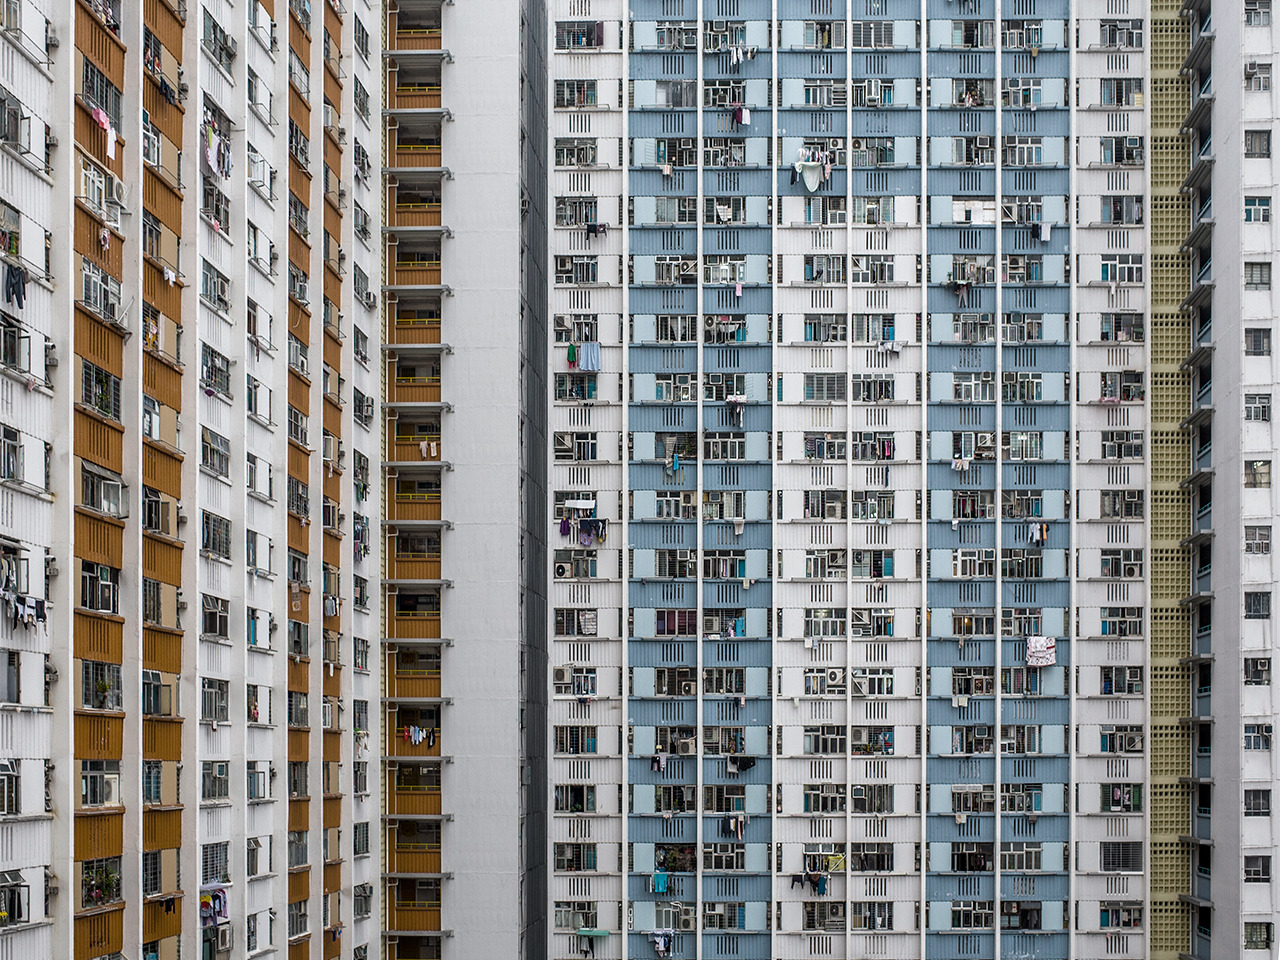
592	932
580	504
11	878
101	471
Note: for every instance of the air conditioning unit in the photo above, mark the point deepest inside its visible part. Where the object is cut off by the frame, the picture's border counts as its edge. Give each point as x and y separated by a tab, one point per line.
562	571
687	143
832	511
560	675
986	439
119	192
835	910
1010	906
224	938
858	735
1131	743
688	921
370	298
1251	66
688	688
983	142
835	675
1131	571
982	731
687	748
856	144
858	686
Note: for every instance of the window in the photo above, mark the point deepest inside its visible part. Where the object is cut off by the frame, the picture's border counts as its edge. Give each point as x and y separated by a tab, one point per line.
297	848
157	696
256	864
1257	736
99	587
257	779
100	685
1257	407
215	453
100	291
1257	540
299	75
151	873
298	918
1257	473
215	535
1259	936
1257	76
972	914
216	41
100	92
99	880
215	780
100	492
298	779
1257	13
152	781
1257	342
100	390
1257	605
1257	143
215	699
298	713
360	838
575	93
1257	209
297	425
214	286
99	783
213	863
298	283
1257	803
1257	276
1121	857
1257	869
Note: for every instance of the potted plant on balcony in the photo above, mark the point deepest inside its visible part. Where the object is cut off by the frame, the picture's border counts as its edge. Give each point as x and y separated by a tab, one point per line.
104	689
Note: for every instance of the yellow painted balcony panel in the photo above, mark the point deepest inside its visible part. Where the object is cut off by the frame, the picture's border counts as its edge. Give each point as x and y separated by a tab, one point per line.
417	214
161	739
415	390
415	566
414	506
407	915
99	736
158	923
398	746
418	96
407	329
414	802
412	449
414	625
416	683
416	155
414	858
415	273
421	39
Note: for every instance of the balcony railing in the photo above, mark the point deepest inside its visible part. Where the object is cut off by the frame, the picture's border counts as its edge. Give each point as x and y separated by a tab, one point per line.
415	390
415	273
416	155
414	801
414	683
417	96
414	858
417	214
414	506
425	447
420	38
408	915
408	330
398	746
414	625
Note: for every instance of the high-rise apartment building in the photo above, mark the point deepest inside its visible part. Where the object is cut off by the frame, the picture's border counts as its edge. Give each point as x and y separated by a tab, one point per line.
464	474
874	393
191	225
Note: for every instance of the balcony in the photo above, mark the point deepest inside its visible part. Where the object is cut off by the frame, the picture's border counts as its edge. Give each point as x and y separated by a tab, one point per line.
413	858
406	916
414	801
414	155
398	746
414	566
415	449
414	213
420	271
410	38
413	625
413	506
410	327
414	389
413	684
